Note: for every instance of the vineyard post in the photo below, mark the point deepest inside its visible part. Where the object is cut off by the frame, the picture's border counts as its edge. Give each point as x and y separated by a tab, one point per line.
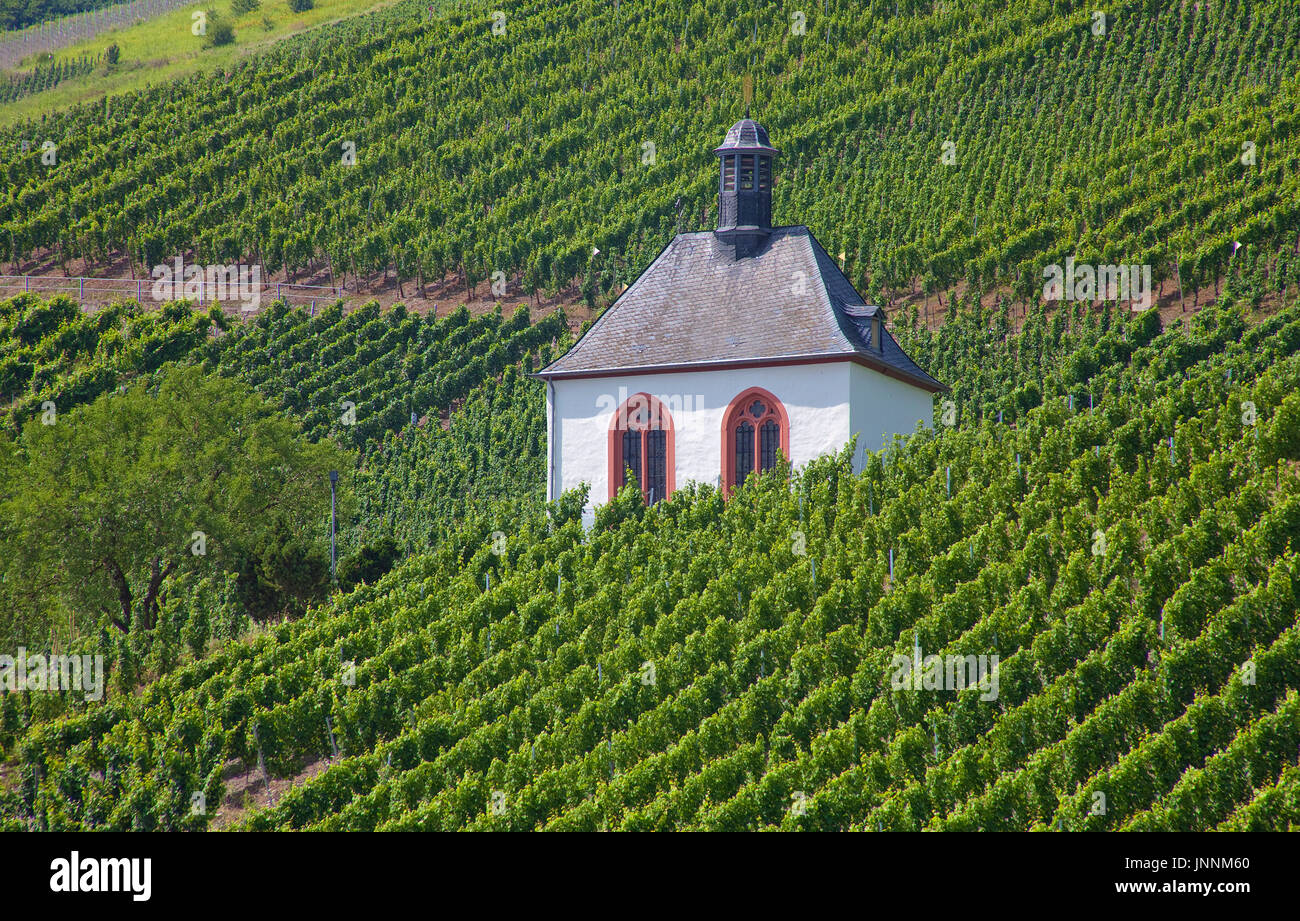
329	728
334	479
261	765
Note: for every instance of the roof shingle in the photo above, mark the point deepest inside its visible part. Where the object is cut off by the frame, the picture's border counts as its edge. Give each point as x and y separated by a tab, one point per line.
698	305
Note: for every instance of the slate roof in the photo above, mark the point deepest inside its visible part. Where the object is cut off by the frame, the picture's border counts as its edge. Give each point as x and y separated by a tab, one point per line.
746	134
698	306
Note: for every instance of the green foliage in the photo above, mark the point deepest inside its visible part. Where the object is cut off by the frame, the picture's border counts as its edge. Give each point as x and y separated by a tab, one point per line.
113	53
219	33
50	352
519	156
360	376
369	564
18	14
300	6
707	665
122	493
240	7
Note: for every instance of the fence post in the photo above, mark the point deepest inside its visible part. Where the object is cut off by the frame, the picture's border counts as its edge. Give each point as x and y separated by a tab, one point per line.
81	289
139	291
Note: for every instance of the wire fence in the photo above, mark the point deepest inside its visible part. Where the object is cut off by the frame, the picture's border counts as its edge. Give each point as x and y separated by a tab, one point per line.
59	33
104	290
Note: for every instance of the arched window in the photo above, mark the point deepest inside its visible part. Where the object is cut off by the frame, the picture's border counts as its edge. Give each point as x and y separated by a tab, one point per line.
754	428
641	442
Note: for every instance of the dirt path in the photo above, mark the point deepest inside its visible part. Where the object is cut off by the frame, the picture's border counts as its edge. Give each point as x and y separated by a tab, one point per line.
246	793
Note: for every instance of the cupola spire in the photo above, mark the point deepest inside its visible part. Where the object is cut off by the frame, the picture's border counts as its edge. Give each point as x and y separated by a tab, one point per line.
745	161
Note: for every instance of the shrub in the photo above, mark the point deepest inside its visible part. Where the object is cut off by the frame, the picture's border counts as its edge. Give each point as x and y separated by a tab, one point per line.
112	54
221	33
300	6
240	7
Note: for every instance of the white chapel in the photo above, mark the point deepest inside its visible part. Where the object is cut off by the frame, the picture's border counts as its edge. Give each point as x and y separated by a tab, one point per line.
732	345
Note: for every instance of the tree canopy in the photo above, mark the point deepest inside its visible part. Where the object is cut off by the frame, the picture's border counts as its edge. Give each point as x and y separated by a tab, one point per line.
188	471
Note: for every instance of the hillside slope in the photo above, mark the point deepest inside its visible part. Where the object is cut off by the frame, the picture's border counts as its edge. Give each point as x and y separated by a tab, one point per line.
730	665
928	144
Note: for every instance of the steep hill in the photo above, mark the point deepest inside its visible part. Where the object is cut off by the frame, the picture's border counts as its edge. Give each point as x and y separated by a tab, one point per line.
931	144
731	665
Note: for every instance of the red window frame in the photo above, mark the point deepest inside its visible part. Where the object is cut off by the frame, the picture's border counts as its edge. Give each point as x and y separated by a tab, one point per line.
738	412
642	413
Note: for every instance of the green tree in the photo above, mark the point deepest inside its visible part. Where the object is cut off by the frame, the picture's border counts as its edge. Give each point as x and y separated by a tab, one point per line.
191	472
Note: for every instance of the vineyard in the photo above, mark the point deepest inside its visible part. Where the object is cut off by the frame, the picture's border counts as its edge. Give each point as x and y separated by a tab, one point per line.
1122	537
366	380
41	29
359	375
316	554
42	77
565	143
51	352
17	14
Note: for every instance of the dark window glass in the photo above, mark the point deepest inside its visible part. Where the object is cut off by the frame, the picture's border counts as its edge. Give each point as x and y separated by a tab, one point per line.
747	171
656	484
632	456
729	173
757	409
744	451
764	173
769	439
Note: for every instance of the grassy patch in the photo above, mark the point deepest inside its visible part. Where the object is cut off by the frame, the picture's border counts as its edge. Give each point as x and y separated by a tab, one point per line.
164	49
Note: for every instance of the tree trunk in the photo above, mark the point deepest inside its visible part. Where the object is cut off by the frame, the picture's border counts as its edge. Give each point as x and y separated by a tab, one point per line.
123	594
157	573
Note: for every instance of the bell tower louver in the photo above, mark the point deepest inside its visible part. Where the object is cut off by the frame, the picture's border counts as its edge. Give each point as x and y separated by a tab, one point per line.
745	161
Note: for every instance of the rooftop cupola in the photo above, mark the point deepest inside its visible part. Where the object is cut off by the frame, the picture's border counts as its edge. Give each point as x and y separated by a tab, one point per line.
745	160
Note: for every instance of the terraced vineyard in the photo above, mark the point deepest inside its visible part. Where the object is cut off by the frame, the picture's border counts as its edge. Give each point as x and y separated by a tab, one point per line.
931	144
50	352
713	665
359	375
353	376
489	465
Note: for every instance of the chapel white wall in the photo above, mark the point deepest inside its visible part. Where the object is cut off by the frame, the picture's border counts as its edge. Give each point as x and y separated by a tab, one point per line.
884	406
815	397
